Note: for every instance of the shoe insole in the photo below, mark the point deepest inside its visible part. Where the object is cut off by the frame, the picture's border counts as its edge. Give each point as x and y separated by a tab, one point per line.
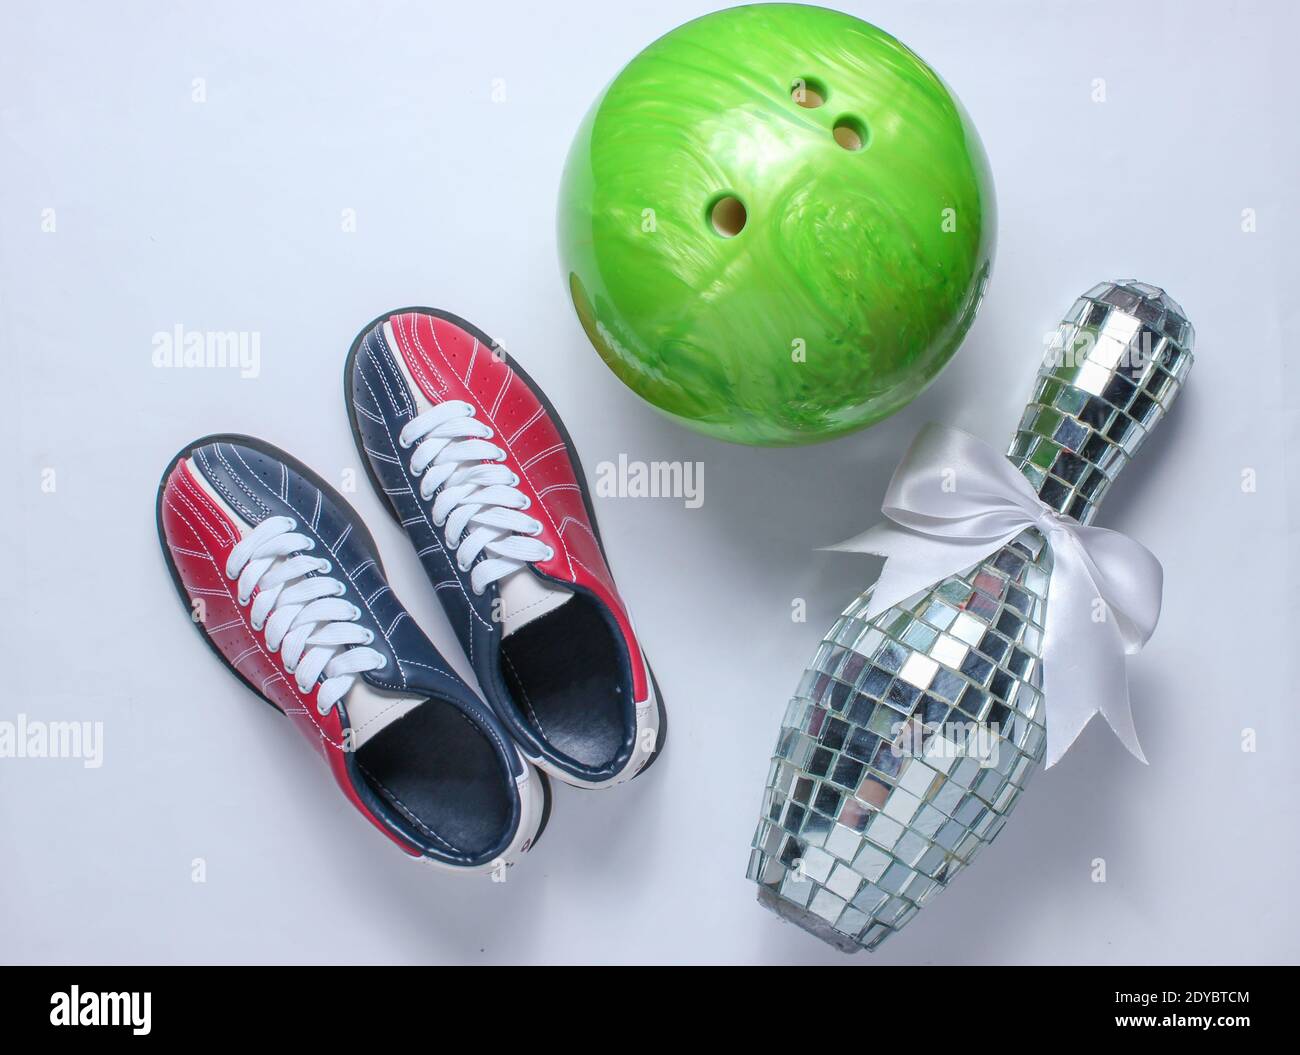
437	768
564	673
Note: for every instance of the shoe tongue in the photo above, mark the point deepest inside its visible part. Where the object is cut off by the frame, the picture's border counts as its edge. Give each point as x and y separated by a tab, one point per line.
371	710
526	597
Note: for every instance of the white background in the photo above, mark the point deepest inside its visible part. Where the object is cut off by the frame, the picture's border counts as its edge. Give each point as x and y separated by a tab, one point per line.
225	215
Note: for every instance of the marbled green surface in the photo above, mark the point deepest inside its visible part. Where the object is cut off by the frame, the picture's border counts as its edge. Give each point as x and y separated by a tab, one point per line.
856	274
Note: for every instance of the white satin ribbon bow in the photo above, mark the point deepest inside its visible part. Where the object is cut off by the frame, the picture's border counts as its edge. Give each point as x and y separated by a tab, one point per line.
954	501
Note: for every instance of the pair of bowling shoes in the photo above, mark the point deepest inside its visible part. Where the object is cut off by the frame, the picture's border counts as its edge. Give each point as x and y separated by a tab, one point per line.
285	583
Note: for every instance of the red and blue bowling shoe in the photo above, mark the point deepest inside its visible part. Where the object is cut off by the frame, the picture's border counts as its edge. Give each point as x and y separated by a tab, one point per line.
284	582
476	465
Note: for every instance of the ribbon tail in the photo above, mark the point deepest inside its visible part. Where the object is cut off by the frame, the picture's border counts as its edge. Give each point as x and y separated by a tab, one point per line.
1064	724
913	562
1118	713
1083	657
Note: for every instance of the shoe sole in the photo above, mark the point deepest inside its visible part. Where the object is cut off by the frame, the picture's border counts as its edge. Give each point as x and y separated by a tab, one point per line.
556	420
344	507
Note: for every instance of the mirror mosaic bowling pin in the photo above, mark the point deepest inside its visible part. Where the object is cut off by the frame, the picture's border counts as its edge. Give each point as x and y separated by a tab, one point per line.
873	801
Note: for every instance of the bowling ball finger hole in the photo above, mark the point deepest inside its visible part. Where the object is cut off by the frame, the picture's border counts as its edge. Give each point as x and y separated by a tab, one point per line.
850	133
727	216
808	92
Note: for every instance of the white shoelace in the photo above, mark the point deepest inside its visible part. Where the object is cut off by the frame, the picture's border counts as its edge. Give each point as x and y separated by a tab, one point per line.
452	452
305	620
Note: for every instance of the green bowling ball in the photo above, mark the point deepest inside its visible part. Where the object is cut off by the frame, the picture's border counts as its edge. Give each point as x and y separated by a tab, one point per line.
776	224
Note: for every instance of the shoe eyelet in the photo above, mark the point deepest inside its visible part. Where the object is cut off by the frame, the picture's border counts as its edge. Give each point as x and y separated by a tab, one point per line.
323	711
550	554
370	635
243	601
356	614
384	662
325	568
